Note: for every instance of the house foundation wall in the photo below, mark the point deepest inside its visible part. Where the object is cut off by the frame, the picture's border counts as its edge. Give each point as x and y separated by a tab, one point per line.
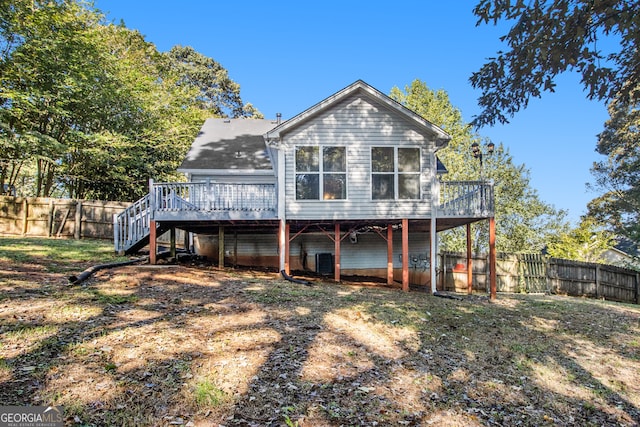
366	256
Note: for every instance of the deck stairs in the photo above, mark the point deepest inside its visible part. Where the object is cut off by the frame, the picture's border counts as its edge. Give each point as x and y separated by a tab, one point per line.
132	227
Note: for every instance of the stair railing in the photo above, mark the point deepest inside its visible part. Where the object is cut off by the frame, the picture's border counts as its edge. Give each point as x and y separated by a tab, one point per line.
132	225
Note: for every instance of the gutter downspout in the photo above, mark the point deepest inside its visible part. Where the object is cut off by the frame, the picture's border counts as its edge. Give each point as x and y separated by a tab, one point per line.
433	233
281	199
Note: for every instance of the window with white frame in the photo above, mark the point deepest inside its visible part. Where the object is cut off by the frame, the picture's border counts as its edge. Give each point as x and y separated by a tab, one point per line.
321	172
395	173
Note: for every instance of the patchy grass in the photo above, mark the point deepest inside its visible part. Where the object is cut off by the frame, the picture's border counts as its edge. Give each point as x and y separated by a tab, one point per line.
175	345
207	394
55	255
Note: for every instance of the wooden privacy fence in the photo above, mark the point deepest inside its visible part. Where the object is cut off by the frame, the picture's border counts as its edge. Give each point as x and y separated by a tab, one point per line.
535	273
594	280
531	273
48	217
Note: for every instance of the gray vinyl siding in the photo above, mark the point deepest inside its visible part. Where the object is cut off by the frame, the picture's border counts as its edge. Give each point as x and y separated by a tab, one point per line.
369	252
358	124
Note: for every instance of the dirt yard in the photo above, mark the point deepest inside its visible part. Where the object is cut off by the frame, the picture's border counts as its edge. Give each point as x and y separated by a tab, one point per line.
196	346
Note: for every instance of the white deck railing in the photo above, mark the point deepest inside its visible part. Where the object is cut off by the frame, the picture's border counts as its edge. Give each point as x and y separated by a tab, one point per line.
132	225
457	199
203	196
466	199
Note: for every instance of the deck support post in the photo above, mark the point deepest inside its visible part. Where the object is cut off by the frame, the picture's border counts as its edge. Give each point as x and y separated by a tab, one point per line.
221	246
283	246
337	241
390	254
492	259
172	238
405	255
153	249
287	249
186	242
469	262
235	248
433	254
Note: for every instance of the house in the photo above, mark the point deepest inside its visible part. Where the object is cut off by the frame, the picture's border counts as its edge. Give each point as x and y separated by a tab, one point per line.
621	258
349	186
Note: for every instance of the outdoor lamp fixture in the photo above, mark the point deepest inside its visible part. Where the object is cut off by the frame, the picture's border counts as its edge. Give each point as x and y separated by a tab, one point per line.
477	151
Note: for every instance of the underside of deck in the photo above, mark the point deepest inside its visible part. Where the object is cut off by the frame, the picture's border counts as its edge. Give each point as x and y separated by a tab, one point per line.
211	208
269	225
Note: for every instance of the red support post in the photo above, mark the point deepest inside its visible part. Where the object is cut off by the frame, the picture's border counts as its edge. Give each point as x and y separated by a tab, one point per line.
469	262
492	259
153	250
405	255
337	250
389	254
287	230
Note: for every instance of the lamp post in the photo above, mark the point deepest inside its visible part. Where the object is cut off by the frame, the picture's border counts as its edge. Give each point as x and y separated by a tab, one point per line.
478	154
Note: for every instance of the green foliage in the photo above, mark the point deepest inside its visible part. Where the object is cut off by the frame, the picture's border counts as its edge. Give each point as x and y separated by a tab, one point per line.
436	107
547	38
89	109
217	93
524	223
40	99
618	177
207	394
587	242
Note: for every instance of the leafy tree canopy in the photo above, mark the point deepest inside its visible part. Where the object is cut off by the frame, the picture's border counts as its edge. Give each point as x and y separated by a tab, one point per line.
89	109
217	92
550	37
618	177
524	223
587	242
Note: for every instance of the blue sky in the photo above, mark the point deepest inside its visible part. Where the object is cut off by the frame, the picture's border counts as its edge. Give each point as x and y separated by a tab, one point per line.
288	55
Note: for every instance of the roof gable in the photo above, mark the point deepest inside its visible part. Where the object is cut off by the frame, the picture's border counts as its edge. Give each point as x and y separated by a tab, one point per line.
229	144
362	88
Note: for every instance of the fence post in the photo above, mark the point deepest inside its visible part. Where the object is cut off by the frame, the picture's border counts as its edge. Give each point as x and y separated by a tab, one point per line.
443	265
637	288
25	216
597	281
547	274
78	221
50	218
487	283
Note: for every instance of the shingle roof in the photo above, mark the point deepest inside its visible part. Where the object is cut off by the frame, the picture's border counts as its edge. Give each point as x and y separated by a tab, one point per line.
230	144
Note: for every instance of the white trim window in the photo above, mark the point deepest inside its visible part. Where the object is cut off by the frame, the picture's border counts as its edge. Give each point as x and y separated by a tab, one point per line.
395	173
326	176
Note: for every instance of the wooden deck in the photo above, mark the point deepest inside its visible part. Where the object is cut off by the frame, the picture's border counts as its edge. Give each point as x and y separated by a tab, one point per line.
213	201
459	202
466	199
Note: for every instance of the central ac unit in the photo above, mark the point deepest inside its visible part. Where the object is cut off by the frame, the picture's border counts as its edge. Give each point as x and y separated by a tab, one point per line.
324	263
